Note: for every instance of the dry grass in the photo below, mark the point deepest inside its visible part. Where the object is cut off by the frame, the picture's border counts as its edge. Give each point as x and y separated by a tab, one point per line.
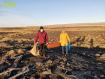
96	32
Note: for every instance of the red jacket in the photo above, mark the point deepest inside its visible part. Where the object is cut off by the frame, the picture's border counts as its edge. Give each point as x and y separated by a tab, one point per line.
41	37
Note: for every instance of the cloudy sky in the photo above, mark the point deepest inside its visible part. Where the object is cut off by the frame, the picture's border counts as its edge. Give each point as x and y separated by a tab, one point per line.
44	12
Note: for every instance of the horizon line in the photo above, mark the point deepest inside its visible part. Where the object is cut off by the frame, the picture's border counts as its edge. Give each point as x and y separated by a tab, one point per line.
59	24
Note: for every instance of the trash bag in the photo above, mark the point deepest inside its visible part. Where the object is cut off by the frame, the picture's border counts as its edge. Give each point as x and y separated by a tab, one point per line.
34	51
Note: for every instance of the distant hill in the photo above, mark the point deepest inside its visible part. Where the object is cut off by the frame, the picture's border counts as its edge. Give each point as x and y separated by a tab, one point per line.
78	24
59	25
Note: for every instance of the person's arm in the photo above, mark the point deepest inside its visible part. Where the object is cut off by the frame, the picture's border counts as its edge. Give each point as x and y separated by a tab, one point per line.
60	38
36	38
46	38
68	38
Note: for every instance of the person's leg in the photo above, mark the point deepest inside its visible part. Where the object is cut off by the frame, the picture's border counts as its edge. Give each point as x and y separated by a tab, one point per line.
40	49
69	49
66	47
38	46
44	49
63	49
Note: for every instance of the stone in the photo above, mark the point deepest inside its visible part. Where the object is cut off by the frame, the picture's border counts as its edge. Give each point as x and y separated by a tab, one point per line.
102	57
11	53
20	51
46	72
38	64
49	62
97	55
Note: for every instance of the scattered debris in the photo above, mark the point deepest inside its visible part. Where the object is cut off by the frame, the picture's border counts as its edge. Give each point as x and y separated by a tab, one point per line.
81	64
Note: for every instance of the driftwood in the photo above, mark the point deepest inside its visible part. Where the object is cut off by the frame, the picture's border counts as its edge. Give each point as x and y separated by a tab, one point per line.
19	74
17	60
5	63
8	71
9	62
59	73
66	76
23	71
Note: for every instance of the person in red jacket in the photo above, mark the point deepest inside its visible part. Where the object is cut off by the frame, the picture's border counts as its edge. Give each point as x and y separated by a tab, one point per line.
41	39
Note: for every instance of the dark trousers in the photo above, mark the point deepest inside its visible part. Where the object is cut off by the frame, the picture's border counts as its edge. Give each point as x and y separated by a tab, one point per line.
42	48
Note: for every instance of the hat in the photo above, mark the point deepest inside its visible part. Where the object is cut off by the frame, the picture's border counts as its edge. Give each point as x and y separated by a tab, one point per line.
41	27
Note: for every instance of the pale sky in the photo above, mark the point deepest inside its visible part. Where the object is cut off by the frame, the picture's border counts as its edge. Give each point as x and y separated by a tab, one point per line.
45	12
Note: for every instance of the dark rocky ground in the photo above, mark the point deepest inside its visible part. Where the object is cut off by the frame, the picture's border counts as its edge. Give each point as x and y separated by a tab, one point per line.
80	64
